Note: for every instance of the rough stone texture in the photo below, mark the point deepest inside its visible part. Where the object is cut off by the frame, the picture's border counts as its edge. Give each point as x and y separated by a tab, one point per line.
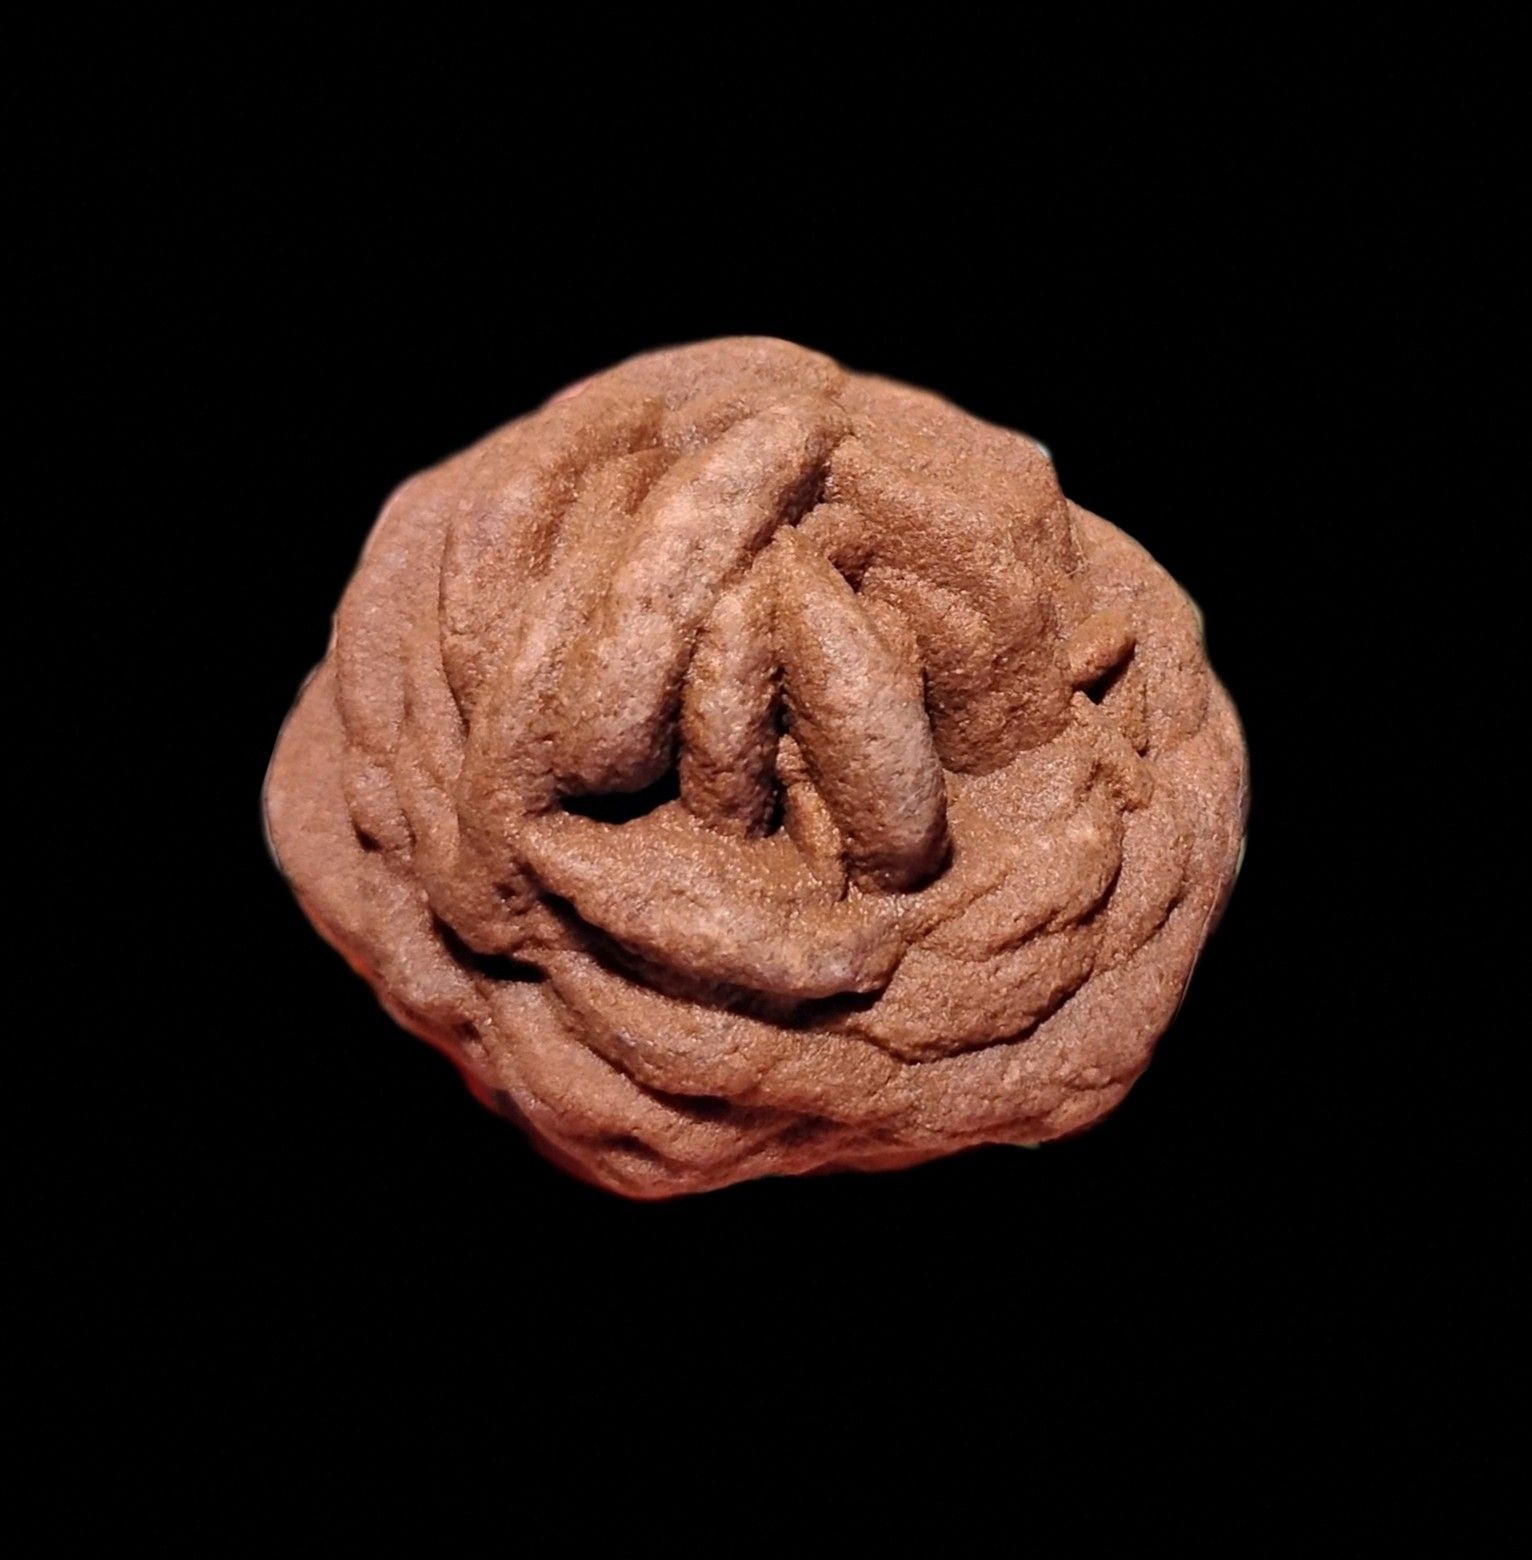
742	767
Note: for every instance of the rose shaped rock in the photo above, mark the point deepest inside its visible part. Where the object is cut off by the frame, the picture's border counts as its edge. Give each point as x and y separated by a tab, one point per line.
740	767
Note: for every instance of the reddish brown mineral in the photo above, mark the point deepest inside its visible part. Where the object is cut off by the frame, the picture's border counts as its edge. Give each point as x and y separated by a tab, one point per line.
742	767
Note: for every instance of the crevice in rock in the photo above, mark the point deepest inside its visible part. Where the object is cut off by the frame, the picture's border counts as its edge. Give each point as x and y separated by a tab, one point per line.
618	807
492	966
1097	689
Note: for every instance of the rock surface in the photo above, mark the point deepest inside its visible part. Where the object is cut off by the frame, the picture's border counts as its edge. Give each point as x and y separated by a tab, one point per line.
743	767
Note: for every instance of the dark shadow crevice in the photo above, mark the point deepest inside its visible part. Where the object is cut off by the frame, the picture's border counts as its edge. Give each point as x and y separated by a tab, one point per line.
618	807
491	966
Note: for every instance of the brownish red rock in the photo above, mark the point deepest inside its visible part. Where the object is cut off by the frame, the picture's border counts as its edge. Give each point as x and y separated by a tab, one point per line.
742	767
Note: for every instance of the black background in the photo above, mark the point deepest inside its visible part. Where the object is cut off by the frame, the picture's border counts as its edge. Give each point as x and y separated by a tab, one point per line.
1233	303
